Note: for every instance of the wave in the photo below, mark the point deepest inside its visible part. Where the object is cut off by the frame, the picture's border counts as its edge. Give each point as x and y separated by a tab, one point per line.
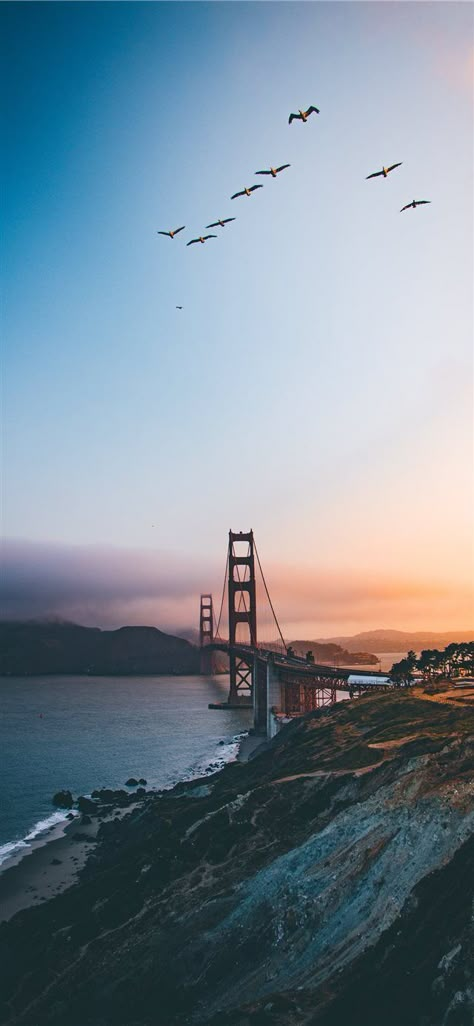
43	826
225	751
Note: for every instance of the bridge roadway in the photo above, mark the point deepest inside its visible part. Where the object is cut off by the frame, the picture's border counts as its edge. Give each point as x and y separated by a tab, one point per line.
300	666
286	686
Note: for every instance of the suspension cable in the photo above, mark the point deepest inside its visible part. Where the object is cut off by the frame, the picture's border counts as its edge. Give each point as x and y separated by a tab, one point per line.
223	596
268	595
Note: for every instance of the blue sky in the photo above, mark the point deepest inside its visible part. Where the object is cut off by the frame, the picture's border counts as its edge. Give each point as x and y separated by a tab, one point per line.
316	384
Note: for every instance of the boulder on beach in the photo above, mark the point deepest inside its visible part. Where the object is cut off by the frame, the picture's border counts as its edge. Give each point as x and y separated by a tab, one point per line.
131	782
86	805
63	799
106	796
70	815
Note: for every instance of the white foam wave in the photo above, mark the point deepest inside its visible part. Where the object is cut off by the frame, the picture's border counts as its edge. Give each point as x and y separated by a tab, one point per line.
43	826
226	751
47	824
7	850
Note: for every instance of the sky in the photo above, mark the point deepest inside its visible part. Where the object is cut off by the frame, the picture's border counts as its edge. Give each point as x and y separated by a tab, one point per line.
317	384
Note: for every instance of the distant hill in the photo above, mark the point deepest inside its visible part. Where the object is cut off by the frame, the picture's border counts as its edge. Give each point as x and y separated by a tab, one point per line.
331	653
386	640
38	647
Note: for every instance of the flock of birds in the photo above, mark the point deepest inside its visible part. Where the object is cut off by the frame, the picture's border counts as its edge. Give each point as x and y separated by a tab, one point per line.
303	116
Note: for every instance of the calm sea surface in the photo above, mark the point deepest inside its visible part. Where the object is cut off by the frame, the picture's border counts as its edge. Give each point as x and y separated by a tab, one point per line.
86	732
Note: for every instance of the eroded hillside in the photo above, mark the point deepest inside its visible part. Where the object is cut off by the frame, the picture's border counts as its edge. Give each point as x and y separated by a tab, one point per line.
326	882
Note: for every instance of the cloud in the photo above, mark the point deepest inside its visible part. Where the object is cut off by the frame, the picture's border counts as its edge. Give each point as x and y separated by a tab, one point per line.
109	587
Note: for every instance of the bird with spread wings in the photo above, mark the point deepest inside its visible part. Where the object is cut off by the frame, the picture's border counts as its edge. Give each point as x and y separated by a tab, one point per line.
202	238
384	171
171	234
303	115
246	192
273	171
220	222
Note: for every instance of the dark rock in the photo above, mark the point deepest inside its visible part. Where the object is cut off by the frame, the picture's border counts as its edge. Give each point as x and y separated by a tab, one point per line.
63	799
140	790
87	806
56	862
142	780
70	815
82	837
131	782
107	796
86	820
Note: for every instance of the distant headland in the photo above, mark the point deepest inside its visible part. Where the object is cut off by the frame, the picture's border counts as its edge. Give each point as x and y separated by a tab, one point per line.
42	647
54	646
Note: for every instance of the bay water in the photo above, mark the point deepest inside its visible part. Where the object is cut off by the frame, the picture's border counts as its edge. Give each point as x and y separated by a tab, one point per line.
82	733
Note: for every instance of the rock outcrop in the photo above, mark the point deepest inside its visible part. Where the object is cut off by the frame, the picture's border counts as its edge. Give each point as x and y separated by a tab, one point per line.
328	882
63	800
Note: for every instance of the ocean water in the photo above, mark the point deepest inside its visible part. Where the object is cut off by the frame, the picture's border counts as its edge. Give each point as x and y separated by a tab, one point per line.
81	733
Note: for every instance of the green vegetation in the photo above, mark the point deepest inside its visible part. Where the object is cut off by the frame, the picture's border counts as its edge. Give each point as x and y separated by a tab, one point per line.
456	660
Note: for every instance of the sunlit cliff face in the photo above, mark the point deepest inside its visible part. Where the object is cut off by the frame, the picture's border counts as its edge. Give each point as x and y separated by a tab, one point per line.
104	586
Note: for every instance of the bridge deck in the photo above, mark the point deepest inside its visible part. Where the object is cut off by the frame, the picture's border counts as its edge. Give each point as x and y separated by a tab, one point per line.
298	666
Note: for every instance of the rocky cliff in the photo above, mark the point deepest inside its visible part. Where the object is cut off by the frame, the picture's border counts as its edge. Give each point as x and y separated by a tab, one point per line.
326	882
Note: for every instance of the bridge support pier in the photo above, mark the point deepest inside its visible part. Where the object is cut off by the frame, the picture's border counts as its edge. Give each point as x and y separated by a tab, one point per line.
259	695
274	691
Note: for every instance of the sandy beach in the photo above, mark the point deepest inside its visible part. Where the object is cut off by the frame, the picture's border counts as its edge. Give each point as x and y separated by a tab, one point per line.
51	866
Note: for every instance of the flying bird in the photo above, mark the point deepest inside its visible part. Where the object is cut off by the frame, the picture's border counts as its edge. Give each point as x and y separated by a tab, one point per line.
202	238
384	171
273	170
246	192
215	224
414	203
173	232
303	115
179	307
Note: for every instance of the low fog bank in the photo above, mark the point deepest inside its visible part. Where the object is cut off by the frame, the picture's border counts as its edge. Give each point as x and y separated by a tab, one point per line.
105	586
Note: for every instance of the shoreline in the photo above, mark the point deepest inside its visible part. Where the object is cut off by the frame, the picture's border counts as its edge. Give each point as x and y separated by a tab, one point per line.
51	865
53	861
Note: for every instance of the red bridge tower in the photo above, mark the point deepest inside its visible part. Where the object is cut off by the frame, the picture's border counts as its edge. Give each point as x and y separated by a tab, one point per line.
206	634
242	610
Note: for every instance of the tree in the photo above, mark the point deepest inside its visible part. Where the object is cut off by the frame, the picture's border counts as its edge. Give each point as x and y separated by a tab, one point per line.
401	673
309	657
427	662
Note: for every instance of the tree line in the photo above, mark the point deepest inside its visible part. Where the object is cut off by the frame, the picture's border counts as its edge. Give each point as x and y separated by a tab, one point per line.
456	660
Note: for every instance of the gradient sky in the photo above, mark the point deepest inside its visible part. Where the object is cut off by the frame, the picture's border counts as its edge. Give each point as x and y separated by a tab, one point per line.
316	386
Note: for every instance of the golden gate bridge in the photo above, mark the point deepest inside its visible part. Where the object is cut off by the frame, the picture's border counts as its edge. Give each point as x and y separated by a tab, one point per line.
266	676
